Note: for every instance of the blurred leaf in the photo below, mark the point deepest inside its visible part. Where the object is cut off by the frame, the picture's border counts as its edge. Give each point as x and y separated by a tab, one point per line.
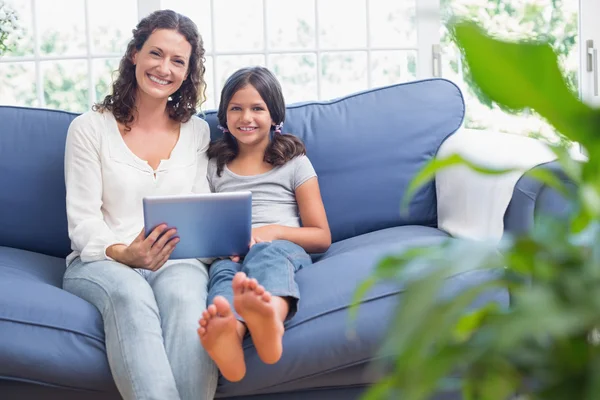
470	322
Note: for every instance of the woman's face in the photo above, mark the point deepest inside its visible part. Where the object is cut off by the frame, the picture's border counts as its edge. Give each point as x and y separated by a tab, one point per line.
161	65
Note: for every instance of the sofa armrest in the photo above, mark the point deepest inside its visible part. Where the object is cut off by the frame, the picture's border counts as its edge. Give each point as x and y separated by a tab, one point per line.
471	204
532	198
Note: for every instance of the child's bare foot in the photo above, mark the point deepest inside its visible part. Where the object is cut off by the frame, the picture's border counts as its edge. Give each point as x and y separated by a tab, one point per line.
254	304
221	340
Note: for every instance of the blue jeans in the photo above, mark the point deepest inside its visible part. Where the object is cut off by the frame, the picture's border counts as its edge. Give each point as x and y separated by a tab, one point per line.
150	321
272	264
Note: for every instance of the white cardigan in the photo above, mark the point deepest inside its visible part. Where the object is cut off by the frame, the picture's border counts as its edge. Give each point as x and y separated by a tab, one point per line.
106	181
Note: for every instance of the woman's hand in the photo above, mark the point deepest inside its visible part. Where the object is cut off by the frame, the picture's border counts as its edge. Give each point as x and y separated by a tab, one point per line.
266	233
146	252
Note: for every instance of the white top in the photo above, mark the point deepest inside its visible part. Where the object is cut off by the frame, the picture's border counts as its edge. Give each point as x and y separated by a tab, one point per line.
472	205
106	181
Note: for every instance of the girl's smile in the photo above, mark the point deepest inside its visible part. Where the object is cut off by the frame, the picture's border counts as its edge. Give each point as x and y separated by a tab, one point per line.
248	117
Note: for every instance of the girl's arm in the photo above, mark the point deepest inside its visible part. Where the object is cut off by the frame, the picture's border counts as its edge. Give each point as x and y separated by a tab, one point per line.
314	235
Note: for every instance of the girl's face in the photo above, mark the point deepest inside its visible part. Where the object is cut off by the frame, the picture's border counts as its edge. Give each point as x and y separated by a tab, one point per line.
162	63
248	118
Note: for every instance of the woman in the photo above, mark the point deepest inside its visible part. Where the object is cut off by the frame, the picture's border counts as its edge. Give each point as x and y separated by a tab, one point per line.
143	139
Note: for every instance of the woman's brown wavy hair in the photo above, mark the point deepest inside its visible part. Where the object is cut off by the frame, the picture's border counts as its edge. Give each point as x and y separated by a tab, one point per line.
282	147
183	102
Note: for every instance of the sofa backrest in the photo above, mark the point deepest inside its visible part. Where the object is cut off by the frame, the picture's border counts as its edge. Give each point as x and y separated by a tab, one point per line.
32	185
365	147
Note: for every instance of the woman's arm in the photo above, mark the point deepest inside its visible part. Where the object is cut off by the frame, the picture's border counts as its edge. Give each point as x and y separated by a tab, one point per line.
314	235
88	231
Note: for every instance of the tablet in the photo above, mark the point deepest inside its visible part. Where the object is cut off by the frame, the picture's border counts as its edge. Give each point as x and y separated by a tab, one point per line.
208	225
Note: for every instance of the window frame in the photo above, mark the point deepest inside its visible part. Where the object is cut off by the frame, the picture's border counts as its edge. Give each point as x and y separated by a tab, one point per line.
428	24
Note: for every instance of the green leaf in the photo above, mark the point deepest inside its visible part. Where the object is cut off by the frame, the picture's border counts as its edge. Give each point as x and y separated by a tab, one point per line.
470	322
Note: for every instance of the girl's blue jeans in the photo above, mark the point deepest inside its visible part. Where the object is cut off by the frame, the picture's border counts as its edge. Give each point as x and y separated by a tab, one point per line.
273	264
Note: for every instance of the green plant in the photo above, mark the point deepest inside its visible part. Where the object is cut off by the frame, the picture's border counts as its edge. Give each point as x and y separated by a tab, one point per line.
545	345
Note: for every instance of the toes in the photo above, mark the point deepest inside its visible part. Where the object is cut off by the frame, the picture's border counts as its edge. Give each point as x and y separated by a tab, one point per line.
238	282
203	322
266	296
222	306
212	311
205	314
201	331
259	290
252	284
246	284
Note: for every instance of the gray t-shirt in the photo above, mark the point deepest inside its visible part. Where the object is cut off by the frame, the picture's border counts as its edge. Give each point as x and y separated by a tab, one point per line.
273	193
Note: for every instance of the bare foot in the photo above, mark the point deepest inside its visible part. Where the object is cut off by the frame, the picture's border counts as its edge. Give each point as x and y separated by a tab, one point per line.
220	339
254	304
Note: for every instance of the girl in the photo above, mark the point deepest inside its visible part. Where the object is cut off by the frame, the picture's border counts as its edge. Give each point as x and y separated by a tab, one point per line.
288	222
143	139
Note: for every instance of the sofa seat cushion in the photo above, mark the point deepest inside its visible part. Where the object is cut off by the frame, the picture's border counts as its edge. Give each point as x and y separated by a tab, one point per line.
49	336
321	348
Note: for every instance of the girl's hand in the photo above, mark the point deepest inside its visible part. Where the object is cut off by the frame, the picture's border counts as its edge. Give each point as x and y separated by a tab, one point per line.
266	233
149	253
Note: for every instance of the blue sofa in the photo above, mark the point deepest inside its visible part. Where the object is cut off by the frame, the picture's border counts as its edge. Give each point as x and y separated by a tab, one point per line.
365	147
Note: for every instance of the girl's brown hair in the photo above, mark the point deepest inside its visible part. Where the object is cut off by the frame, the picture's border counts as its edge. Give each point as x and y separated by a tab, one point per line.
183	102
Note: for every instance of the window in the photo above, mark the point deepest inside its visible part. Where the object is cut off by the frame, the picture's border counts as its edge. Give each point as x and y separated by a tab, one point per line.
65	63
554	20
319	49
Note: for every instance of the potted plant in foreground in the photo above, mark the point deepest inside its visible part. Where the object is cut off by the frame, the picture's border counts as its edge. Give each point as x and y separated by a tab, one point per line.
544	346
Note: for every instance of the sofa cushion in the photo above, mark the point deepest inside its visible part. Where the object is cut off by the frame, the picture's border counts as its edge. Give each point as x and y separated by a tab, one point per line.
368	146
32	148
319	344
49	336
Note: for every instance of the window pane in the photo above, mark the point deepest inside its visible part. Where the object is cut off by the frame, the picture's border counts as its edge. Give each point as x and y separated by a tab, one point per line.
342	23
389	67
550	20
393	23
105	72
297	74
199	12
211	97
227	65
66	85
110	30
23	45
290	24
240	26
60	35
17	84
343	73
